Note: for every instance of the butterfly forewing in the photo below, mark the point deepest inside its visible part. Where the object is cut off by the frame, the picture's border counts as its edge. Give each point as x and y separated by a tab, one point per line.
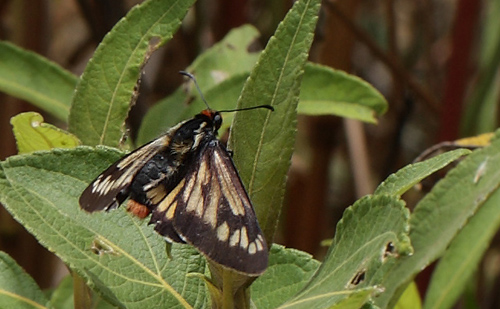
210	209
110	188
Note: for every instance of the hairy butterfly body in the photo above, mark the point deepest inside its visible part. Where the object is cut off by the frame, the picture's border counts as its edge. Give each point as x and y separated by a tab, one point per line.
187	180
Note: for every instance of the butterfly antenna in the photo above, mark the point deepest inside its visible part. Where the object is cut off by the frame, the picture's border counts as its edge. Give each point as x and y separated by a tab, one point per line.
269	107
191	77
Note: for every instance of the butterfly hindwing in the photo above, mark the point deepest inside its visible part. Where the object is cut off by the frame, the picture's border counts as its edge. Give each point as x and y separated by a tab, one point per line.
211	210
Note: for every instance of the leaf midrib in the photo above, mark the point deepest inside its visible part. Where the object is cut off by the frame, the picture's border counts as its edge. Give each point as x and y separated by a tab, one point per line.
266	121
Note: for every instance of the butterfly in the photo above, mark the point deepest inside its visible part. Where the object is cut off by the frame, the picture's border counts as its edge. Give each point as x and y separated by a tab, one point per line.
187	181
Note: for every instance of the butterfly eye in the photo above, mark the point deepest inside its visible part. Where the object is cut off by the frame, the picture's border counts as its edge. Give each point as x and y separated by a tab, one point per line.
217	120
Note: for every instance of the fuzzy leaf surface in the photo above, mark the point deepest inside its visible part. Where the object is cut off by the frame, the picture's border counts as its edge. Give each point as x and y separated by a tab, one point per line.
289	270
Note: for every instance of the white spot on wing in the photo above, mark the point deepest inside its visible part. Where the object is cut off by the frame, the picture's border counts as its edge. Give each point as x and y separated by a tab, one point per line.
235	238
244	238
188	189
235	202
170	197
211	205
195	201
252	248
223	232
260	245
171	211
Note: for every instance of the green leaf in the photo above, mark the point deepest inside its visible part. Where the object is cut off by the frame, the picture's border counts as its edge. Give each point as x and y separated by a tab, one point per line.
288	271
401	181
225	64
443	212
33	134
119	255
106	89
326	91
370	237
462	258
263	153
233	55
410	298
18	289
28	76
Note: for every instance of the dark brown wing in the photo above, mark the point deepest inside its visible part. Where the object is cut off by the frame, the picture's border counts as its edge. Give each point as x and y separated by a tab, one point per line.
210	210
110	188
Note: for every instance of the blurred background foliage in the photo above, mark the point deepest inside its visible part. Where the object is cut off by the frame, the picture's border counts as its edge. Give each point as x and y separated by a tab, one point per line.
436	62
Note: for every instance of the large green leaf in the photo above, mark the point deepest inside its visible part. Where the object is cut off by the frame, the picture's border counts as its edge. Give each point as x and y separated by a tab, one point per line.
119	255
442	213
263	153
29	76
371	236
107	86
17	288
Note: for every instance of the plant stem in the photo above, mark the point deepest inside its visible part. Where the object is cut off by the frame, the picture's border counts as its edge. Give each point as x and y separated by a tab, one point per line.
227	289
82	295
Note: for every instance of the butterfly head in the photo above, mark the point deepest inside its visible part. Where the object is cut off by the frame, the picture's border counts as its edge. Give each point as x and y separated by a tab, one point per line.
214	116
